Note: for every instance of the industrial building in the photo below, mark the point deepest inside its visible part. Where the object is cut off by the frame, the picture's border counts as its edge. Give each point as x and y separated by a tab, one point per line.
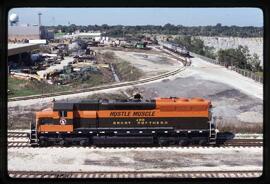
25	33
22	33
89	35
19	54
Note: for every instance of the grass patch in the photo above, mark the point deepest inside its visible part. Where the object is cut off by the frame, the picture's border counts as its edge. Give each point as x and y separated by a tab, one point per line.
259	74
20	87
126	72
94	79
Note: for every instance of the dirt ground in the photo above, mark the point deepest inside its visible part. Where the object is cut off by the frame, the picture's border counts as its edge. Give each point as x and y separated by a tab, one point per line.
150	64
128	159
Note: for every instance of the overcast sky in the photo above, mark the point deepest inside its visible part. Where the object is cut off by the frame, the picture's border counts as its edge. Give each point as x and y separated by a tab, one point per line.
141	16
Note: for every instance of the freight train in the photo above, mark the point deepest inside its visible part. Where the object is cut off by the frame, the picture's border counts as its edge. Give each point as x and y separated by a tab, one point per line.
160	121
175	48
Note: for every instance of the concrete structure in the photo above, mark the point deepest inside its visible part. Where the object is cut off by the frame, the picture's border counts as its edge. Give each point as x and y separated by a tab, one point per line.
41	41
20	53
92	35
22	33
19	48
27	32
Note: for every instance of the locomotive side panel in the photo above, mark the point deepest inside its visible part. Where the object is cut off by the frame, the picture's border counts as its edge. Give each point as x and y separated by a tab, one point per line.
85	119
178	114
184	123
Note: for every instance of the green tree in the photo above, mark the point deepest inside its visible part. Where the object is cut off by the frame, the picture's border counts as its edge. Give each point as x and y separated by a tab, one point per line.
255	63
239	57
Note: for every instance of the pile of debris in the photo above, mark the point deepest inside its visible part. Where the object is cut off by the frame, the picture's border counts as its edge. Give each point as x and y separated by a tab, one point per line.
69	75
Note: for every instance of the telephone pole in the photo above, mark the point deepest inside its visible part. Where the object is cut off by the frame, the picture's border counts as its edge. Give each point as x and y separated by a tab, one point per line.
39	19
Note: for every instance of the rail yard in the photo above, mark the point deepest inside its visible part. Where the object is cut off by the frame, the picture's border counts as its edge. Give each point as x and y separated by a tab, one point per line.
93	106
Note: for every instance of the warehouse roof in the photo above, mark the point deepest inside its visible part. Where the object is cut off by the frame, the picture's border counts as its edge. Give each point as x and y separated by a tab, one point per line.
18	48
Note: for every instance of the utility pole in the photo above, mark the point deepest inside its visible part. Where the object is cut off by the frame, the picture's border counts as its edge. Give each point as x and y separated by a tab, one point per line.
39	19
39	25
123	32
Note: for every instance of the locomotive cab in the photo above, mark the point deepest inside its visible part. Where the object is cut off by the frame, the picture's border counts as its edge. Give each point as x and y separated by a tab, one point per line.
58	119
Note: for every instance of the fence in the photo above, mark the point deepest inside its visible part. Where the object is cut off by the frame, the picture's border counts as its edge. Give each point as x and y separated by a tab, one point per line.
248	74
240	71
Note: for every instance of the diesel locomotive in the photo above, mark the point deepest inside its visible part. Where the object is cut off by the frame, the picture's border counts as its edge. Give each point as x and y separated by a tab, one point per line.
175	48
160	121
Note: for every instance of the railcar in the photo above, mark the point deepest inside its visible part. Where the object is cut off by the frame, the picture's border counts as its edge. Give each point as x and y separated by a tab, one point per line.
160	121
176	48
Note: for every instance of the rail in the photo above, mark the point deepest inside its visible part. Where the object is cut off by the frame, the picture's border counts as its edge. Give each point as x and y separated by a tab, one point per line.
136	174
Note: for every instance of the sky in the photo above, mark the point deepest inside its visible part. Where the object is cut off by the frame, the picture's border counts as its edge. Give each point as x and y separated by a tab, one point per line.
141	16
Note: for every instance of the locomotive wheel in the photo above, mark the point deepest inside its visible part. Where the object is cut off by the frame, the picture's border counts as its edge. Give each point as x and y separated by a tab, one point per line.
62	142
203	142
83	142
163	143
183	142
43	143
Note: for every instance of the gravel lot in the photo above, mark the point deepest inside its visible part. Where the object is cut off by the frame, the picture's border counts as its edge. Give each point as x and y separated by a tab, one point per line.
128	159
151	64
236	99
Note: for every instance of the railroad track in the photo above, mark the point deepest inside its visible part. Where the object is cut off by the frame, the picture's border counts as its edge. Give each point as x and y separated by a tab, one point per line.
20	140
250	143
17	134
116	85
244	142
136	174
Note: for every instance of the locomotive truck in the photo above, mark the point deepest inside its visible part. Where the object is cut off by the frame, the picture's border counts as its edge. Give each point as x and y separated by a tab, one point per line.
160	121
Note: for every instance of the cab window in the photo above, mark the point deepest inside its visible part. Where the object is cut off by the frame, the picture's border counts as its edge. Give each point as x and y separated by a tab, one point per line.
63	113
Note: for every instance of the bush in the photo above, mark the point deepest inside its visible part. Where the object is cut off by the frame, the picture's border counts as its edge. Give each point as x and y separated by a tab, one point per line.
240	58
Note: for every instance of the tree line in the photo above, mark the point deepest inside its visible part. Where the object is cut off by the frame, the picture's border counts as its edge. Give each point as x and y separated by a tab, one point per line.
167	29
239	57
